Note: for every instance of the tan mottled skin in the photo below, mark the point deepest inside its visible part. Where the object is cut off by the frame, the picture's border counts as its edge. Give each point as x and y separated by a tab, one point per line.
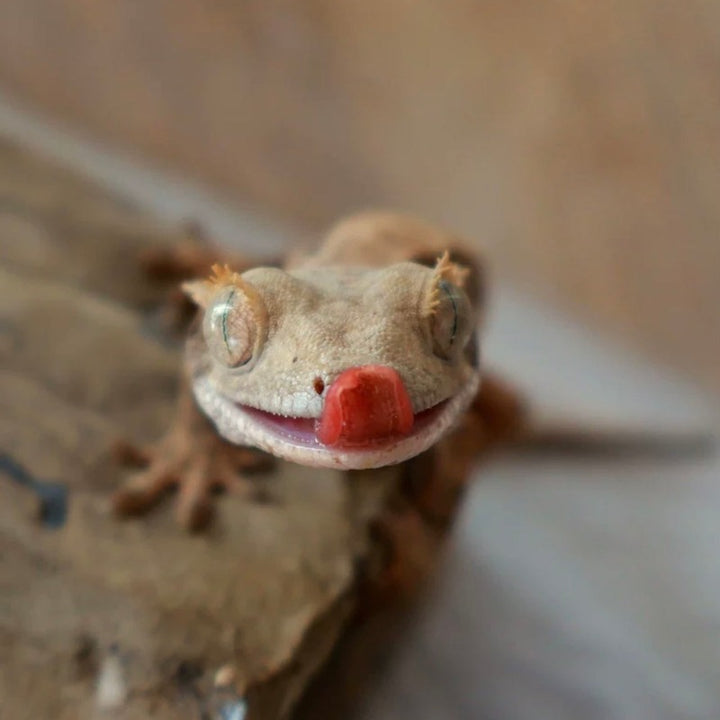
364	298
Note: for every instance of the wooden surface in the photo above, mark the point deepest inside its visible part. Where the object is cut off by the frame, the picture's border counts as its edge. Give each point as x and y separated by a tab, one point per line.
579	141
577	586
85	360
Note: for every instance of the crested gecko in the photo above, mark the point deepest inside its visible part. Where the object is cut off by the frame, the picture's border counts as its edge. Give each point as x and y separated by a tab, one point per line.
361	355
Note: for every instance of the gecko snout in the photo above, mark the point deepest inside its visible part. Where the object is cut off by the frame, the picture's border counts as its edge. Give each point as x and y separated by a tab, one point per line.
364	404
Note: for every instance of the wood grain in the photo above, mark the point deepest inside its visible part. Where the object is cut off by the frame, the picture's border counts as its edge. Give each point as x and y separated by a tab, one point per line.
283	578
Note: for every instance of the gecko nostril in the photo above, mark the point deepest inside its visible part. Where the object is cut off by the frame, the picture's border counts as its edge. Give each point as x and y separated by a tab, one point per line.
319	385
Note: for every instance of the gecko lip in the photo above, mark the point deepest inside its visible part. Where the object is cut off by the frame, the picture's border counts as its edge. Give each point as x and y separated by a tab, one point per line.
303	431
295	439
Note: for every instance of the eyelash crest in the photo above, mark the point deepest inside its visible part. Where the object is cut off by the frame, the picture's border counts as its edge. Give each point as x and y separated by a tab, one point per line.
235	320
445	272
446	307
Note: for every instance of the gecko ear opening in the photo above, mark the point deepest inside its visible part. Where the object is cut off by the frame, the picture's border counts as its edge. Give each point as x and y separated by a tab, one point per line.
235	320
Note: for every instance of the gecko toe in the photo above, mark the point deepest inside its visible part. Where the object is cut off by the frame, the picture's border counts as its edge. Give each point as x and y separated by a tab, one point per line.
131	455
199	467
143	491
195	509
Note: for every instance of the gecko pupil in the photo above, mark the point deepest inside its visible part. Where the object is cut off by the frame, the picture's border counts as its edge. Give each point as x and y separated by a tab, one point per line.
448	291
226	310
229	329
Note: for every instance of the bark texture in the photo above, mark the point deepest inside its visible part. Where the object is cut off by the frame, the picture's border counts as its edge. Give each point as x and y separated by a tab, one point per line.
273	586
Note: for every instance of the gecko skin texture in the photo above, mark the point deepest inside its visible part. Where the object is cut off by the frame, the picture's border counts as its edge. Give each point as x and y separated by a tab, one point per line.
360	356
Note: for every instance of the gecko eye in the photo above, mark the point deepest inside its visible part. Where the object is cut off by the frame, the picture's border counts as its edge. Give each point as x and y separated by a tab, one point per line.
450	321
233	326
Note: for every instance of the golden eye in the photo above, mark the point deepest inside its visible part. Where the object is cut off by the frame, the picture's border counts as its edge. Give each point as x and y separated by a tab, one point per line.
450	320
233	327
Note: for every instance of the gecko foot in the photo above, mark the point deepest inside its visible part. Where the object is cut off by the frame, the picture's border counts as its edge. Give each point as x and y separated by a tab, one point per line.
198	467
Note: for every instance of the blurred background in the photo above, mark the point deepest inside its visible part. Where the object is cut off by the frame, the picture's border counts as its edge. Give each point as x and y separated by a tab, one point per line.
578	142
579	145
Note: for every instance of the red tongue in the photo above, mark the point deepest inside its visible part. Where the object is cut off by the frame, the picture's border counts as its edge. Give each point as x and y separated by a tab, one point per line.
365	403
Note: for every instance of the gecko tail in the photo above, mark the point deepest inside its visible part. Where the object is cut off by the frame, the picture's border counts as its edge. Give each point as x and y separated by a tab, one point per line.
587	437
526	425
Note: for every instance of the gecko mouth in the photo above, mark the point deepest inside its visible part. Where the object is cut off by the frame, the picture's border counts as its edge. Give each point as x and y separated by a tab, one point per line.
295	439
303	431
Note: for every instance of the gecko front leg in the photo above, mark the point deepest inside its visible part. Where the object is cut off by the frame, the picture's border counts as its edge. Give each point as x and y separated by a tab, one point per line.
344	361
191	457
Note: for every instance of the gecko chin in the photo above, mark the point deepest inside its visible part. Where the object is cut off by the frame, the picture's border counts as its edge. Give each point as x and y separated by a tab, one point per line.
296	439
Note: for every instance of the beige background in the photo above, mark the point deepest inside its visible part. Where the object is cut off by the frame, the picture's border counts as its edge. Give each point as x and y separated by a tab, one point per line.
580	142
576	585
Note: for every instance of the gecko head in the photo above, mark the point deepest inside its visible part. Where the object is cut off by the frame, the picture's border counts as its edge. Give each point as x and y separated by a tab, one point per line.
335	367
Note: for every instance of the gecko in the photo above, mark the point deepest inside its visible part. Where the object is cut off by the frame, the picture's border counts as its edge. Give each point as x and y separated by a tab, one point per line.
362	354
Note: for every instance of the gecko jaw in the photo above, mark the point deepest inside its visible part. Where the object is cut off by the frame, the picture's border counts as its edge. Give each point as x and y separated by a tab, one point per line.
303	431
294	439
